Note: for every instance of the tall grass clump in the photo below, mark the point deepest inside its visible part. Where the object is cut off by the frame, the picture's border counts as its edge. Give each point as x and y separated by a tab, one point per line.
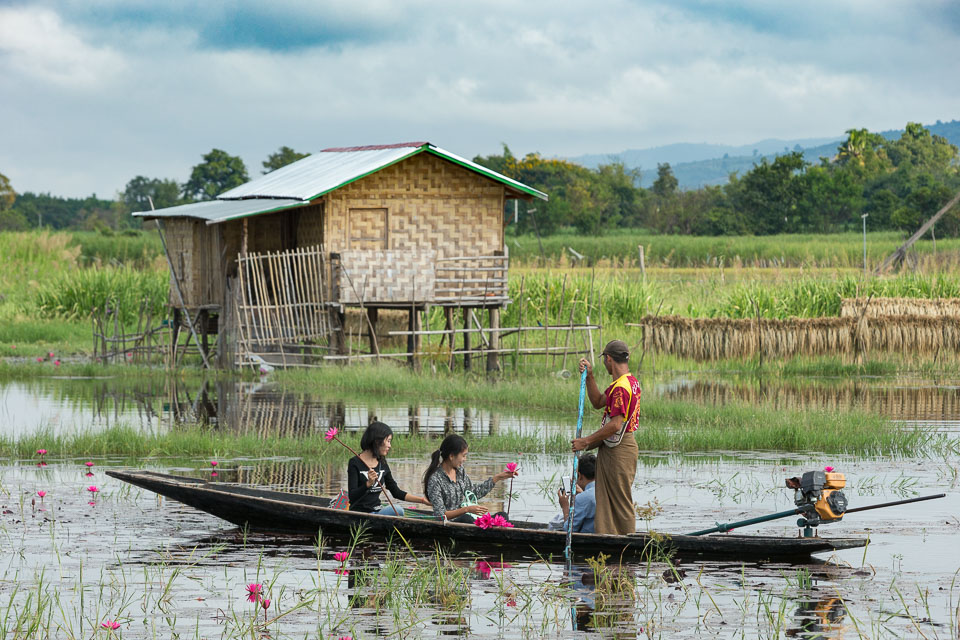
138	249
822	297
73	294
34	256
620	300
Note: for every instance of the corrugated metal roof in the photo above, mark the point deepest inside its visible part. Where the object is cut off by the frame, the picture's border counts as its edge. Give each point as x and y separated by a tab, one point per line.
214	211
296	184
319	173
331	169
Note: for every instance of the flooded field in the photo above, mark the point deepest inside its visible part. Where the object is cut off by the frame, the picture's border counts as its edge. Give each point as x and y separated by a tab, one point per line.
74	559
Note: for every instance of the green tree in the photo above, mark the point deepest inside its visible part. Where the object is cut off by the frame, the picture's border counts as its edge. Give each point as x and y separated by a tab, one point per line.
665	186
768	195
218	172
7	195
918	149
139	192
281	158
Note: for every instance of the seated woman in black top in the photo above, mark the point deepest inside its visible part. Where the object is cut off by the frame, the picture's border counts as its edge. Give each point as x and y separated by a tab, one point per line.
368	471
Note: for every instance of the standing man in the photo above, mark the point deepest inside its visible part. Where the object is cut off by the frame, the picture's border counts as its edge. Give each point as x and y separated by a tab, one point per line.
618	452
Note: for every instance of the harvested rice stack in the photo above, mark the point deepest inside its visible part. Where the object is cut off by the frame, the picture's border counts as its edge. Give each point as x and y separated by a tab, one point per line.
854	307
720	338
899	403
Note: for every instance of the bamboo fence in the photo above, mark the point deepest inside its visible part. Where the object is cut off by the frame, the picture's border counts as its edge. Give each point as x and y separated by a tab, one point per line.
113	343
720	338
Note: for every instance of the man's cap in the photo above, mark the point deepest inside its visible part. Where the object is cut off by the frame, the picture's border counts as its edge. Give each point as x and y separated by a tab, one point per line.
618	349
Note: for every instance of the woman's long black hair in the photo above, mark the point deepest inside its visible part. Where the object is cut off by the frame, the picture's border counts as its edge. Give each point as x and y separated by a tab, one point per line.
451	446
373	437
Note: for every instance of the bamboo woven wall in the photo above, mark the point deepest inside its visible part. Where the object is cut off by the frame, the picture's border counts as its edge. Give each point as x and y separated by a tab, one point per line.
718	338
853	307
430	204
896	403
181	236
386	276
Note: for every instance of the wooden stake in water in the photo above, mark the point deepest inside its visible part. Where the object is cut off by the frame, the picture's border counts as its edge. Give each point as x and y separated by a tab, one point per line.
568	551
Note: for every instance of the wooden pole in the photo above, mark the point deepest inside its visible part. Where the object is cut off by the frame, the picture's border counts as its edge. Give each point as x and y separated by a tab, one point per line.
466	340
643	266
493	358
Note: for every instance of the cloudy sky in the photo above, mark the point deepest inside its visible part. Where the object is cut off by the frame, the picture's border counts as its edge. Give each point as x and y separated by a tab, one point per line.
95	92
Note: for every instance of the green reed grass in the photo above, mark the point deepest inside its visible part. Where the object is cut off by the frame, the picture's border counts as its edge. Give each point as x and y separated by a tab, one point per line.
790	250
74	294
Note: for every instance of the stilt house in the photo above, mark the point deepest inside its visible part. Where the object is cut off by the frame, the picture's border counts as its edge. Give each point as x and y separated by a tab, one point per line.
270	266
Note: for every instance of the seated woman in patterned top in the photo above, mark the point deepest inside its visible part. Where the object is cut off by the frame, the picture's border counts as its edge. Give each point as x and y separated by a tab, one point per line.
369	471
446	484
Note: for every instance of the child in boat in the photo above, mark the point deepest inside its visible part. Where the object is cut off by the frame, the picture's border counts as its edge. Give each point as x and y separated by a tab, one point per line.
448	487
369	471
585	503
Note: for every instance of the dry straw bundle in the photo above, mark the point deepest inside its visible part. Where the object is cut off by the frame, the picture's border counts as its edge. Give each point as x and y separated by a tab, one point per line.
721	338
854	307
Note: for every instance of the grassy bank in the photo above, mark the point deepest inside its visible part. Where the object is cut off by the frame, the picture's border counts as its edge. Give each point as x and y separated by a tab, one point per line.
666	425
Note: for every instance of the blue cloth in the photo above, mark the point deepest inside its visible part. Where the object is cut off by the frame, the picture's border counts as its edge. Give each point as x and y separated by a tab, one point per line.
584	512
585	509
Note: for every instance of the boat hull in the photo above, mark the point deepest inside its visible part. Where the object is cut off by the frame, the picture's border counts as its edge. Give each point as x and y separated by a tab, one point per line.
288	513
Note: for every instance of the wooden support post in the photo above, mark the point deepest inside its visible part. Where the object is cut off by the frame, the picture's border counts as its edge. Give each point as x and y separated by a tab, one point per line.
643	266
466	340
493	358
204	330
448	316
372	317
411	338
174	337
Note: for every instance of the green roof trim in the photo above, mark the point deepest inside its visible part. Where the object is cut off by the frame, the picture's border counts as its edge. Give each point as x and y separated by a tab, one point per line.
429	148
493	175
415	151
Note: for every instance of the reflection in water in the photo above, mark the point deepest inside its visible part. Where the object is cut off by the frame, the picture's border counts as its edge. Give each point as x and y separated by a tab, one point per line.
819	619
940	403
241	408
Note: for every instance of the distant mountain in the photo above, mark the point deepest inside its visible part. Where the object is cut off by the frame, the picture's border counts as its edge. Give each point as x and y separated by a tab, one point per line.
697	165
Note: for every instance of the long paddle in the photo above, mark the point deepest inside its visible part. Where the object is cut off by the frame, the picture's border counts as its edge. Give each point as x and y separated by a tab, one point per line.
568	551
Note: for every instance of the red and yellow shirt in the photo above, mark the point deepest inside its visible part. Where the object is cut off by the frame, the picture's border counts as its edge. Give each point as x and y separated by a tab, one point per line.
623	399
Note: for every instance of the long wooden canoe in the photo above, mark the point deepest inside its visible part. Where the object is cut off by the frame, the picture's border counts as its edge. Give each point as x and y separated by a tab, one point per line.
289	513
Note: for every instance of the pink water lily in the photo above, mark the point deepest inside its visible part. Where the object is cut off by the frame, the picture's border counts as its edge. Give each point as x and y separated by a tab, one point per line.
93	489
214	463
214	474
39	359
484	522
41	494
89	474
112	625
500	521
56	363
828	469
265	603
50	354
88	463
511	466
254	591
42	452
331	434
341	556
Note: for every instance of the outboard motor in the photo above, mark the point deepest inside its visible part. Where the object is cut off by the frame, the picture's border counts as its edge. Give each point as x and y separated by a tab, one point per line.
819	496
